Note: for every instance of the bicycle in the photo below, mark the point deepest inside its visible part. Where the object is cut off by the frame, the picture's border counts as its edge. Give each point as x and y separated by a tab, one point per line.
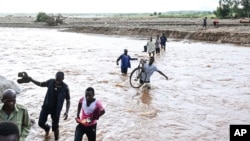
135	78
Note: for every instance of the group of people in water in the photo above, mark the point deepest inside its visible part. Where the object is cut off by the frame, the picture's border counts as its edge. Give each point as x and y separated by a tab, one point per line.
15	122
155	47
152	47
88	112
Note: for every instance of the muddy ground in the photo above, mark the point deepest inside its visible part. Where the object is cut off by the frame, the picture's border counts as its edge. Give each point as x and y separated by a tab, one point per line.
228	30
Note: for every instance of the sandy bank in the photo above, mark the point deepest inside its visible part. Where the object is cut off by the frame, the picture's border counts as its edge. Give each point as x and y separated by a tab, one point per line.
229	31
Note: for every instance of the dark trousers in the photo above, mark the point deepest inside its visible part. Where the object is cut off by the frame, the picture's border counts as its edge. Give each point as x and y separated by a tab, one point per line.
124	70
44	117
81	130
157	50
145	49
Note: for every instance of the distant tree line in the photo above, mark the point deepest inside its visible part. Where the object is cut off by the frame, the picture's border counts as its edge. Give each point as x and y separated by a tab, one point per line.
184	14
233	9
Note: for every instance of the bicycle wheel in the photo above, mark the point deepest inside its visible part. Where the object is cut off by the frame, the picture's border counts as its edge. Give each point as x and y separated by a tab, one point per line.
134	78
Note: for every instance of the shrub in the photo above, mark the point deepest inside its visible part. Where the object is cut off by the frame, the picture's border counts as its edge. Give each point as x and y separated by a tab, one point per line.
41	17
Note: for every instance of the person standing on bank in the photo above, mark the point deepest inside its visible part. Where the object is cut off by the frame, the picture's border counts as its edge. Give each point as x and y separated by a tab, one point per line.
204	26
91	109
57	92
151	47
125	61
10	111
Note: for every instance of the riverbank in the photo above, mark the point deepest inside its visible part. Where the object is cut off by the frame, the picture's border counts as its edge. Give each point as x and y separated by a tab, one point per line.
228	31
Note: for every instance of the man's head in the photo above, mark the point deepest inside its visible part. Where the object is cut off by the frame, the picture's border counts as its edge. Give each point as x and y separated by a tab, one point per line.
125	51
151	38
89	94
59	77
9	131
151	60
9	98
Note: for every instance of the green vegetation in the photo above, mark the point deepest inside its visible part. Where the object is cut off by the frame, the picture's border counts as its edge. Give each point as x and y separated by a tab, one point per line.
172	14
233	9
49	19
41	17
187	14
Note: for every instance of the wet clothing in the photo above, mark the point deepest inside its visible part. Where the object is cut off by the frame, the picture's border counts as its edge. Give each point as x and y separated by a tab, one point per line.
157	45
163	40
90	132
20	117
148	71
125	62
53	103
88	111
150	47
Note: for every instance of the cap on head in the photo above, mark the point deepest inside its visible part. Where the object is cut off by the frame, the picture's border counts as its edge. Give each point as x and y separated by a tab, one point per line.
125	50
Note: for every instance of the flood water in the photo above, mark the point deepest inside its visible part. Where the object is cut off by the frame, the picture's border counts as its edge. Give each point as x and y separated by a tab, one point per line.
208	89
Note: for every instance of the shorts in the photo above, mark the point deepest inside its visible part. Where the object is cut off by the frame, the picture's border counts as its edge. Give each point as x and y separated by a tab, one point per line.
157	50
146	84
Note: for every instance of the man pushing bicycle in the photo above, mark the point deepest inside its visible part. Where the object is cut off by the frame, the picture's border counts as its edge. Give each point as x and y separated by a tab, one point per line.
147	70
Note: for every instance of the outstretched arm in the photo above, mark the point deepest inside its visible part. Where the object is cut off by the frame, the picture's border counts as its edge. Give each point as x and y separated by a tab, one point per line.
41	84
162	74
133	58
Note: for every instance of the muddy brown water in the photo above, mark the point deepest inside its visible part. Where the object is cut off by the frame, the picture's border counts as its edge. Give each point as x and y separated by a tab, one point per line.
207	91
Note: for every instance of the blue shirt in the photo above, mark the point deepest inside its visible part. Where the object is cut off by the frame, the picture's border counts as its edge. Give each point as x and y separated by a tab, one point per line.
163	39
125	61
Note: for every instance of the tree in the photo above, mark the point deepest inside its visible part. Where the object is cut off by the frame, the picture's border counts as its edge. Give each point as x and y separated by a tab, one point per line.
223	10
41	17
246	7
228	8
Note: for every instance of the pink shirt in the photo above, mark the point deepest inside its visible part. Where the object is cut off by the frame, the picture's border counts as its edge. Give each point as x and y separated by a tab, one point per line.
87	111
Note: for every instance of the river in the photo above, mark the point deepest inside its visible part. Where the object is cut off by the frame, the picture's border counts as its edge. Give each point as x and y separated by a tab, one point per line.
208	87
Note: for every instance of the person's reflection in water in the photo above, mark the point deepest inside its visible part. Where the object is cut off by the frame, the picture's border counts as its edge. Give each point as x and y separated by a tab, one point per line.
145	97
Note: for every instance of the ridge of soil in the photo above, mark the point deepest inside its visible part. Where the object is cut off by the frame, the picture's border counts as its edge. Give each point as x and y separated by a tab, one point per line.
228	31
